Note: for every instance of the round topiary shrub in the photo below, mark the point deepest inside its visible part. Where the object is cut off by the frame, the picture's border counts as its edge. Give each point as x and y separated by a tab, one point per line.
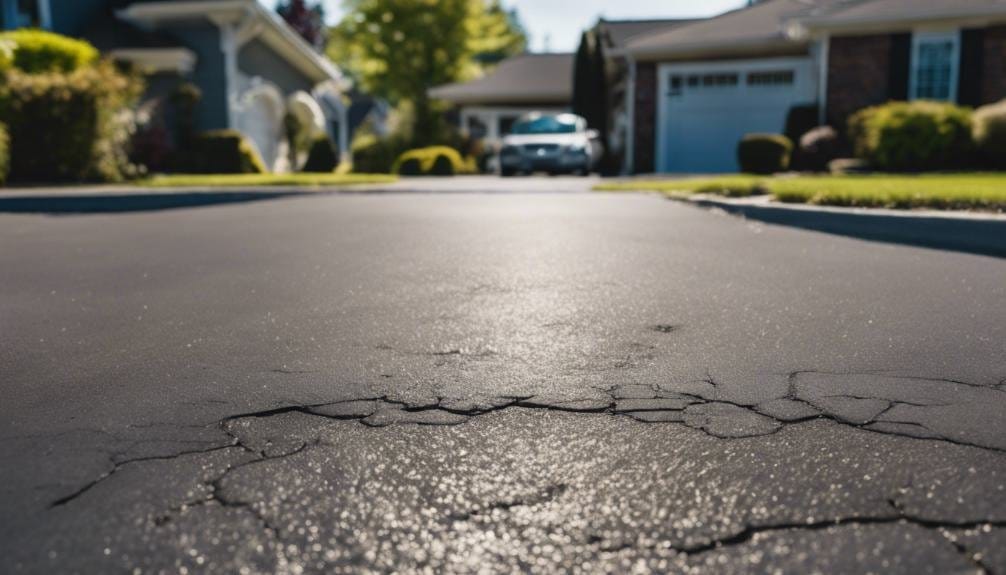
38	51
913	136
323	158
764	153
410	167
818	148
989	133
442	166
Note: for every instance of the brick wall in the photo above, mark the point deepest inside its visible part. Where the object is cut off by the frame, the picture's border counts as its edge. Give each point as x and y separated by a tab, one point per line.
645	118
858	75
994	65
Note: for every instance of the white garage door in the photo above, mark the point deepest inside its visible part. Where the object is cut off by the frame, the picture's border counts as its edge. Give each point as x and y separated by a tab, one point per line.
705	109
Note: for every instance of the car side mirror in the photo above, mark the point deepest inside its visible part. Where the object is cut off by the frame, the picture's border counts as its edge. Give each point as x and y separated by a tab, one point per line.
593	134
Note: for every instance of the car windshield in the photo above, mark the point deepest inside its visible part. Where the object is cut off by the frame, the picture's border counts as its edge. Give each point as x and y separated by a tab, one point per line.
563	124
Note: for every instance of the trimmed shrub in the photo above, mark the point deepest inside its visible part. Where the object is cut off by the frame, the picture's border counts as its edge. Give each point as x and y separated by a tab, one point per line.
818	148
913	136
800	120
223	152
38	51
432	161
990	134
374	155
4	154
323	157
410	167
764	153
67	127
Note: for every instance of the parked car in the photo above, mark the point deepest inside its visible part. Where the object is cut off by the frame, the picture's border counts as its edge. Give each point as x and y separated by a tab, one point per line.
553	143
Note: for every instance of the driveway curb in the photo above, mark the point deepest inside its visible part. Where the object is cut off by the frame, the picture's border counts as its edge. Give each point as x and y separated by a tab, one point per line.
976	233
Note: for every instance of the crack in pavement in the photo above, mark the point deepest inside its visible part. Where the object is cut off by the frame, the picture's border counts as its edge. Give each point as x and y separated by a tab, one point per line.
750	532
711	413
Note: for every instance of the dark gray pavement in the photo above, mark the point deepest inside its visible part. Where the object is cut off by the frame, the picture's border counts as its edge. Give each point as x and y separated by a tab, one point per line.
493	382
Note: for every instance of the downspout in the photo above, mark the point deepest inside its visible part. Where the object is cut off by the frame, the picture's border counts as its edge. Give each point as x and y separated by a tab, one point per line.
824	53
629	166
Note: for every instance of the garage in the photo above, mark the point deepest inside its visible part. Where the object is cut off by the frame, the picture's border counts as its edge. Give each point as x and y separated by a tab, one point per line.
704	109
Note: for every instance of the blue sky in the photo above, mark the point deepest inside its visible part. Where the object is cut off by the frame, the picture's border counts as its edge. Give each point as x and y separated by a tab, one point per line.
557	24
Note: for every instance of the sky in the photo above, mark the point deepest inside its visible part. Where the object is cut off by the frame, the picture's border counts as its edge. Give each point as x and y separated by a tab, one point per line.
555	25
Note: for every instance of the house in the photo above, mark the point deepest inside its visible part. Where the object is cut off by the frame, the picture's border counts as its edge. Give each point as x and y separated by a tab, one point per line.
518	85
610	39
250	66
698	88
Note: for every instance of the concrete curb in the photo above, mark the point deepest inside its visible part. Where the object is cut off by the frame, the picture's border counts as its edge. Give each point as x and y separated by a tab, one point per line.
970	232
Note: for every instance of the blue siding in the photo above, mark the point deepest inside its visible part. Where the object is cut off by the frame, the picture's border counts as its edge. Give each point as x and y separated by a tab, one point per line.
257	59
71	17
203	38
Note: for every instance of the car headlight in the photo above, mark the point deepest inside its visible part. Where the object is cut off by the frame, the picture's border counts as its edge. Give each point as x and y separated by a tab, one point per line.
509	151
576	148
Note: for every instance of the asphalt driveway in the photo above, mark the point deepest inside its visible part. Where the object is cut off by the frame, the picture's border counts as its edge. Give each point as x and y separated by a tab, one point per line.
493	382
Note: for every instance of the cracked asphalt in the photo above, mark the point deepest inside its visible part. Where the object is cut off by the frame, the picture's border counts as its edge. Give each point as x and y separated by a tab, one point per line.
493	382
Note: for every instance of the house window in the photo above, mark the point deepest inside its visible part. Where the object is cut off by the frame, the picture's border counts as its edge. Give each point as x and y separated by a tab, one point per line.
935	59
25	13
771	78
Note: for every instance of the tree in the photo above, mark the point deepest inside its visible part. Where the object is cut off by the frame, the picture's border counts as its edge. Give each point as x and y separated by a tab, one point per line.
590	82
399	49
307	20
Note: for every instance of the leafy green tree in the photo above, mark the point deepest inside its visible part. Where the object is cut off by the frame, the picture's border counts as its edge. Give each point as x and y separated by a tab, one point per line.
399	49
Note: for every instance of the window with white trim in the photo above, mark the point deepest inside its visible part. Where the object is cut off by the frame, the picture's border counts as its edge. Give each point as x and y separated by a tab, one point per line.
935	63
26	14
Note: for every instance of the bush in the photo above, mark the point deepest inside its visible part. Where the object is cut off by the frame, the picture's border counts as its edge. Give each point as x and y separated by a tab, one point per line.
67	127
432	161
800	120
374	155
764	153
38	51
410	167
223	152
4	154
323	157
989	133
818	148
913	136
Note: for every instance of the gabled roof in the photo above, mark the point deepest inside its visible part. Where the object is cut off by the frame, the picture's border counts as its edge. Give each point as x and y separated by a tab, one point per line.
759	29
618	33
888	14
524	79
271	28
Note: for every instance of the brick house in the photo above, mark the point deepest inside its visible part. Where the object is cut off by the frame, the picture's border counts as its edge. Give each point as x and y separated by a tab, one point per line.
698	88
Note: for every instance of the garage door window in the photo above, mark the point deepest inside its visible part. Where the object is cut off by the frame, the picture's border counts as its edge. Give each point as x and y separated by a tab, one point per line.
771	78
934	65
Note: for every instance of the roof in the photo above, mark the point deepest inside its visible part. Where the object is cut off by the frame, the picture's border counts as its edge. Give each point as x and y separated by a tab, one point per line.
887	14
620	32
757	29
272	29
524	79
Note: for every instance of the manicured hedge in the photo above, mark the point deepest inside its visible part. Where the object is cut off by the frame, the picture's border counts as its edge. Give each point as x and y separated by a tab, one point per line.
38	51
375	155
66	127
764	153
431	161
817	149
323	157
990	134
4	154
913	136
222	152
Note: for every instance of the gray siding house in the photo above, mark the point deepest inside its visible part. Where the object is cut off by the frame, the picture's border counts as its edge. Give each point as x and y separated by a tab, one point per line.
250	66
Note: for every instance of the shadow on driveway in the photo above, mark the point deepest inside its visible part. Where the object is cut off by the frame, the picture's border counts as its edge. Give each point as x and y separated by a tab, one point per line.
118	203
982	236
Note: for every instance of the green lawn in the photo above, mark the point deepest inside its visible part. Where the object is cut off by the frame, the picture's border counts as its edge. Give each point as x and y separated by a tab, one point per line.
985	192
255	180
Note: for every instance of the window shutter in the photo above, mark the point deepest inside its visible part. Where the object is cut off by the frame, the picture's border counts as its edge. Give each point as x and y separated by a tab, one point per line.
900	66
969	85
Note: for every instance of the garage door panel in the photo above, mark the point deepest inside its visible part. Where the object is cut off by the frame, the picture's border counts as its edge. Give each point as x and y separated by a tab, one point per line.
707	109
